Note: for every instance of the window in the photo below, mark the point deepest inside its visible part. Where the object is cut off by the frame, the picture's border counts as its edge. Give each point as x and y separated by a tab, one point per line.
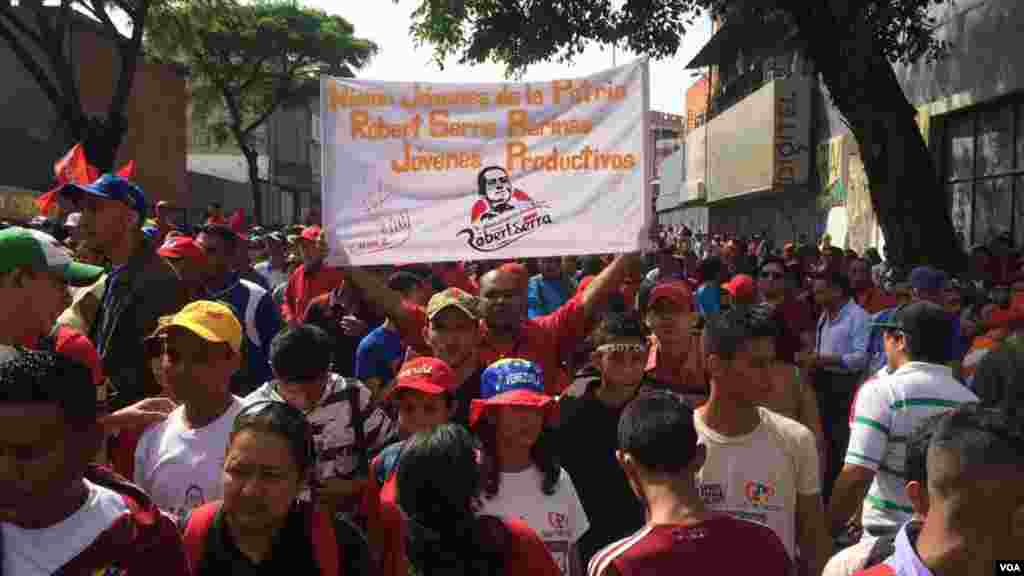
984	171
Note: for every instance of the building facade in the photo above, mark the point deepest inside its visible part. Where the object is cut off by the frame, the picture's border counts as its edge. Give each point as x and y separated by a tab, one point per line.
156	137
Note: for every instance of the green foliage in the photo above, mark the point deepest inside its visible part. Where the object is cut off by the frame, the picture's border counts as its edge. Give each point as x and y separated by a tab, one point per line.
248	59
519	33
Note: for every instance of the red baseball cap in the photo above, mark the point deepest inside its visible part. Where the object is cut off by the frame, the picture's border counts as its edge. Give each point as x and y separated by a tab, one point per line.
428	375
182	247
741	286
311	233
678	293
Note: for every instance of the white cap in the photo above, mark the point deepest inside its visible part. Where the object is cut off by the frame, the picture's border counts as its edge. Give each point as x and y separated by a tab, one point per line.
73	220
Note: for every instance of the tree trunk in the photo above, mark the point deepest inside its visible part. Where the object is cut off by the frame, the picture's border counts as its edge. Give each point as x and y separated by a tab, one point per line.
101	140
906	192
252	159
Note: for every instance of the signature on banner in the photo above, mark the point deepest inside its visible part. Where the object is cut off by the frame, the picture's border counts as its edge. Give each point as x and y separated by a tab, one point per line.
393	231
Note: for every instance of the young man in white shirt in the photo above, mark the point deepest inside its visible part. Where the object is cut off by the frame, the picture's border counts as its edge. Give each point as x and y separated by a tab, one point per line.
760	465
887	411
179	461
59	514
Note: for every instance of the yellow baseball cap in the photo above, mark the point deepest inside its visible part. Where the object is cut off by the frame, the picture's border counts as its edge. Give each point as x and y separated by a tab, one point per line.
211	321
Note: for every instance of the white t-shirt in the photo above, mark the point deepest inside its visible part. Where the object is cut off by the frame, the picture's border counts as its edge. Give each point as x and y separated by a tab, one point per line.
758	476
182	468
42	552
558	519
850	560
886	412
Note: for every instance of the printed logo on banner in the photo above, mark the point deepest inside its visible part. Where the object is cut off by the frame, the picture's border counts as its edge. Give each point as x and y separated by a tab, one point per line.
502	214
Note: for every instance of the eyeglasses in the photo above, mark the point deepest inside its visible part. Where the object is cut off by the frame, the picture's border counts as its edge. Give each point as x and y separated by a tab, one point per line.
772	275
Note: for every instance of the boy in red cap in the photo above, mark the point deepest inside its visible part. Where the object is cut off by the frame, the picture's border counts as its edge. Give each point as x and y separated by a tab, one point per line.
424	392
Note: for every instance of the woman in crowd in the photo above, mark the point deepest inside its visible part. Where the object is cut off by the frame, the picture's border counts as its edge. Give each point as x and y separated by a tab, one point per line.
261	527
522	476
439	486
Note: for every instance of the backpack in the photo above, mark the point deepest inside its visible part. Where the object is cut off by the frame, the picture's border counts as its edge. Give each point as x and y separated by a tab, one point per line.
320	527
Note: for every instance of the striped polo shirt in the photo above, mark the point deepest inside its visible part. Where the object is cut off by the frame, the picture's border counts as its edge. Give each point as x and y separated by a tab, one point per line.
886	412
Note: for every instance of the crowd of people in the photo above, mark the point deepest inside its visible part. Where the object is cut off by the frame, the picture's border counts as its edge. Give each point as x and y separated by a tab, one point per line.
221	400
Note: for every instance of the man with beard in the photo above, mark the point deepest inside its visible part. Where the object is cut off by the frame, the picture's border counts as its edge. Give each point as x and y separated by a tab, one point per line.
505	332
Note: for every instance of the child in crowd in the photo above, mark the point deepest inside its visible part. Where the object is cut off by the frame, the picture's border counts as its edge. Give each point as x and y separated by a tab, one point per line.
424	391
522	475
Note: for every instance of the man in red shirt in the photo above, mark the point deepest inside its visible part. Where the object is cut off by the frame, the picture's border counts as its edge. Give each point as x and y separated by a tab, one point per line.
868	296
311	279
505	330
659	453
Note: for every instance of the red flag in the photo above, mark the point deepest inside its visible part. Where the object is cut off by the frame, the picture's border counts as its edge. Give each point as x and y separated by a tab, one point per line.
74	168
47	201
127	171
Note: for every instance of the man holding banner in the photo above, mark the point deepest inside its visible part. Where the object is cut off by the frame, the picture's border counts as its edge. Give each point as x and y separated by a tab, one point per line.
505	331
417	173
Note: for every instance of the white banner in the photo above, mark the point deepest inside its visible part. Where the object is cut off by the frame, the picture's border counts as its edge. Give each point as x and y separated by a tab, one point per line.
416	172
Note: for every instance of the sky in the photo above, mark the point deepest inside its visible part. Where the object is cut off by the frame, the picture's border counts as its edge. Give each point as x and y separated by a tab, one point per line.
387	23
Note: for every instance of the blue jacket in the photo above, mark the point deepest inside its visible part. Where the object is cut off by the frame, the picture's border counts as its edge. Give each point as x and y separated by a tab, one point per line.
260	320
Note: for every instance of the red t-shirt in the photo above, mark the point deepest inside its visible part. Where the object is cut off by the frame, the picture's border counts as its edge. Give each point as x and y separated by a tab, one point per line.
721	545
303	288
544	340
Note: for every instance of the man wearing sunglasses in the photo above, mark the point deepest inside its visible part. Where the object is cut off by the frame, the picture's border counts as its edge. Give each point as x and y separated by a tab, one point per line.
776	293
887	410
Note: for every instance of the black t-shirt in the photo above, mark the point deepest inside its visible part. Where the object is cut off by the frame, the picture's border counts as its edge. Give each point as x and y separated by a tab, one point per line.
291	553
587	438
467	392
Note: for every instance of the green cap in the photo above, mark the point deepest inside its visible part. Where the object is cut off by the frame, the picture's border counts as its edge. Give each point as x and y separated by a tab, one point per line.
27	248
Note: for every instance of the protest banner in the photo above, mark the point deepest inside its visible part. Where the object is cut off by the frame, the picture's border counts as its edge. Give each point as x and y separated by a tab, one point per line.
416	172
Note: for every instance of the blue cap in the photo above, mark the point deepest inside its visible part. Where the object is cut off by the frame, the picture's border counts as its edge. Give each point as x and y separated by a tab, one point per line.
110	187
509	375
928	278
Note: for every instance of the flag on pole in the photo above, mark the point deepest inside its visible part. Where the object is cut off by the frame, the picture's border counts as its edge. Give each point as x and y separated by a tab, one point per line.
74	168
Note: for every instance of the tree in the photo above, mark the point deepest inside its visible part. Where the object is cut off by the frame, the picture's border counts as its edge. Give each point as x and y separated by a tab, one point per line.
853	45
247	60
40	38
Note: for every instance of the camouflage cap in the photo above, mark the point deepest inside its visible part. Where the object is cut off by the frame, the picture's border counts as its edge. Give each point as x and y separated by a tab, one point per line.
453	297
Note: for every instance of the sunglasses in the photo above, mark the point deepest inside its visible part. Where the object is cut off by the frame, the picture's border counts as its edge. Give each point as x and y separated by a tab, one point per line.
772	275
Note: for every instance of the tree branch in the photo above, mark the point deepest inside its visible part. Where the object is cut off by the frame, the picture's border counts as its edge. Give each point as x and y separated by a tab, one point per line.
8	14
128	53
98	9
61	59
41	78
